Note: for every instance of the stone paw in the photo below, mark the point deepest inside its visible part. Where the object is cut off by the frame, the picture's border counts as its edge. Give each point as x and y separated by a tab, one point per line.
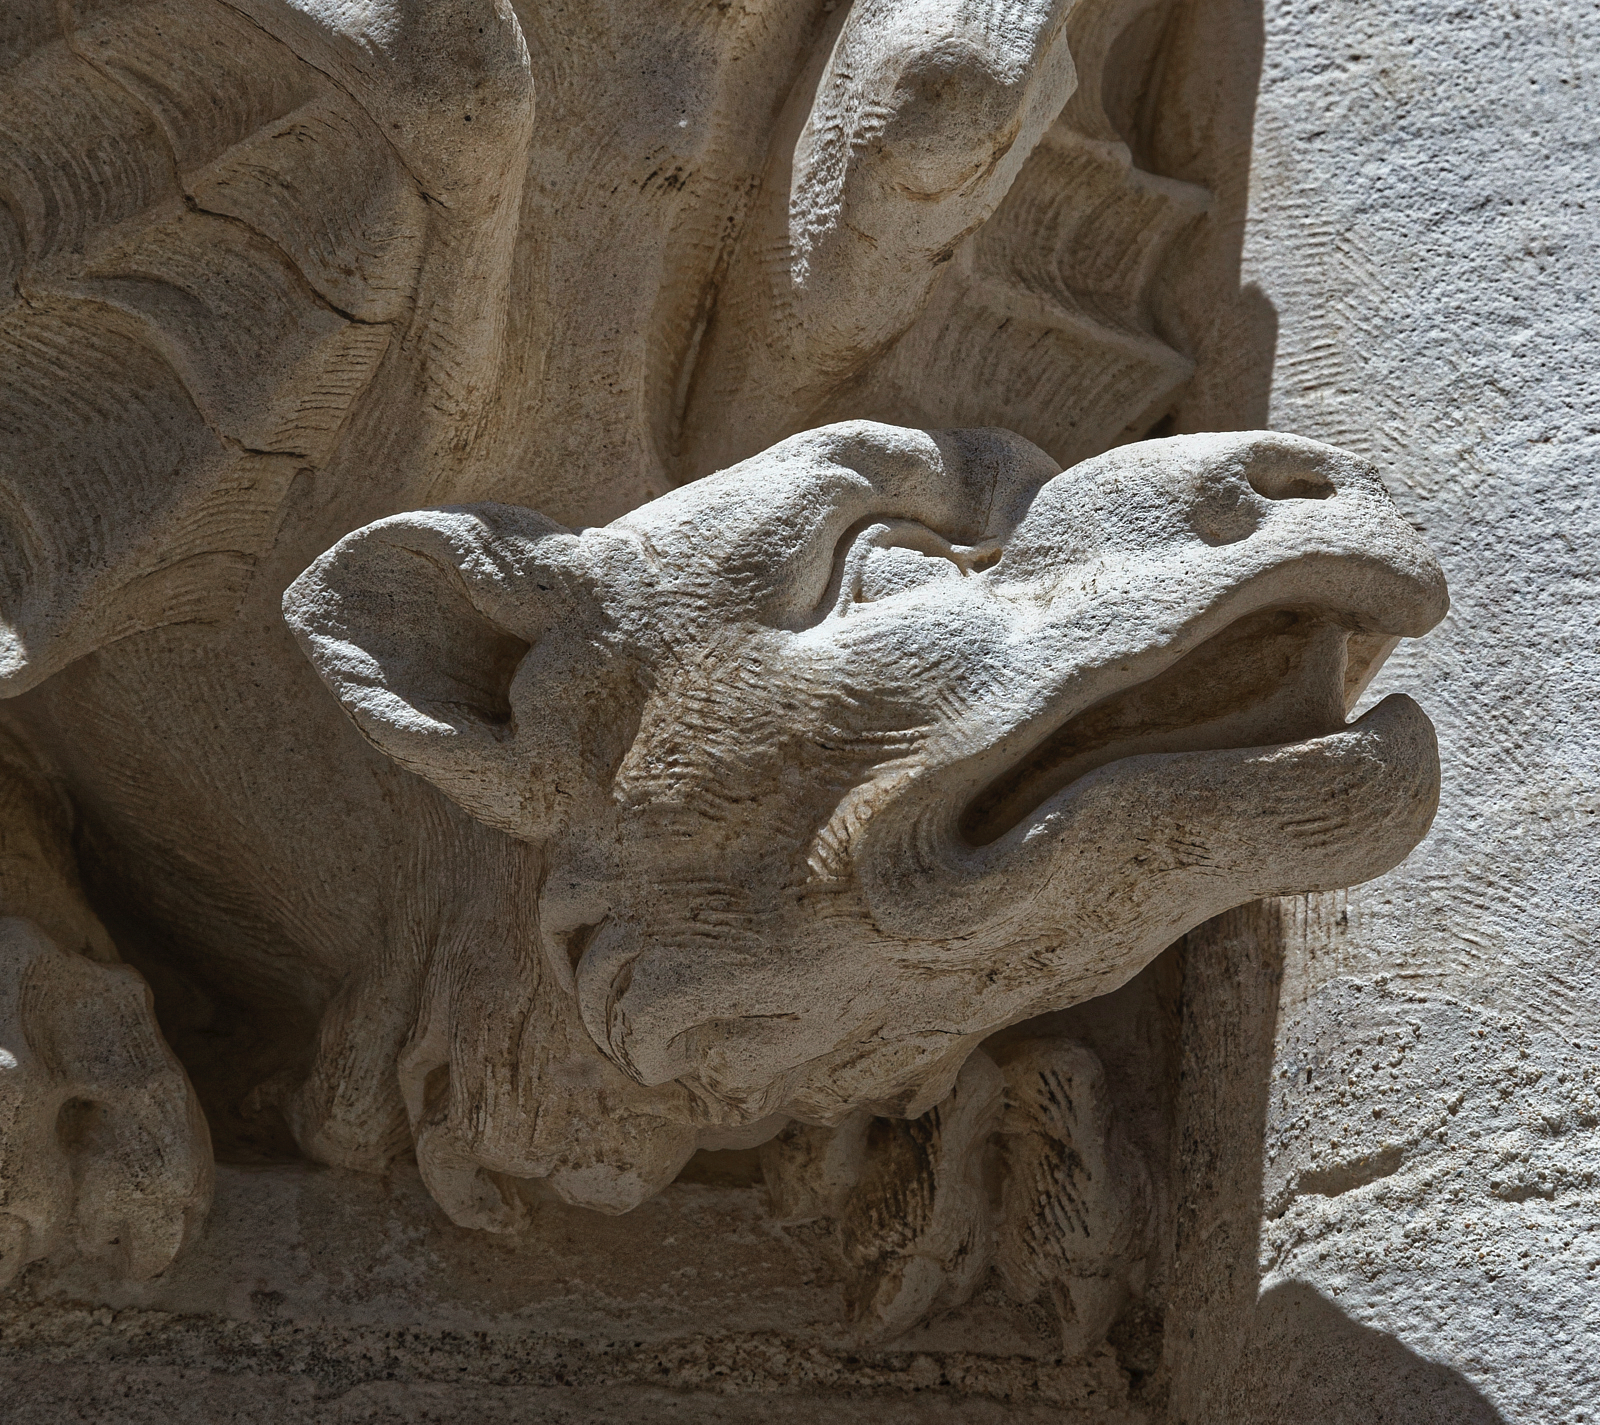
1078	1206
103	1147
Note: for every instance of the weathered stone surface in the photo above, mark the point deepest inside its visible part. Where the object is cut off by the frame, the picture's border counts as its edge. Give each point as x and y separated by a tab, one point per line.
837	762
745	893
1423	191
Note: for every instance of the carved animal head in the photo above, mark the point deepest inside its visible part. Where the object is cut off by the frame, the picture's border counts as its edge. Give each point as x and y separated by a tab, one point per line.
852	754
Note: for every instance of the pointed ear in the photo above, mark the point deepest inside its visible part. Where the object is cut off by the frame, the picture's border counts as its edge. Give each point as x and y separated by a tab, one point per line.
420	624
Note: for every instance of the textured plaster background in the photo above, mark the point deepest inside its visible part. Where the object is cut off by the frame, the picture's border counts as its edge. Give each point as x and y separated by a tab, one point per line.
1425	217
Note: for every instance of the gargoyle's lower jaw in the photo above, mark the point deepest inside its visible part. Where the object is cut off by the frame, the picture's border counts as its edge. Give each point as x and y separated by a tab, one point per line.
1228	776
1067	905
1129	855
1077	898
1270	678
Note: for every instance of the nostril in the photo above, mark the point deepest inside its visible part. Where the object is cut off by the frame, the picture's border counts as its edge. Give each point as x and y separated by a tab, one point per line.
1288	484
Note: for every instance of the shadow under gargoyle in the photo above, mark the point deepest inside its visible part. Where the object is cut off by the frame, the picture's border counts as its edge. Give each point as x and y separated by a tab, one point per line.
1233	1354
1307	1363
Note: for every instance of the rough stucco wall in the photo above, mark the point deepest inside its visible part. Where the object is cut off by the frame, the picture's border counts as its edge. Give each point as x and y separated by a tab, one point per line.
1425	202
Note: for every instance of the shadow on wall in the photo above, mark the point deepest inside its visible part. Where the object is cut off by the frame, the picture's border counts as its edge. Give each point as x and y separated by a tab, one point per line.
1307	1363
1287	1356
1194	123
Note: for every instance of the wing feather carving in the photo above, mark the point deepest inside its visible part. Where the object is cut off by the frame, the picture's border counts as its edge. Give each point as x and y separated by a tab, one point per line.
214	250
1048	318
242	223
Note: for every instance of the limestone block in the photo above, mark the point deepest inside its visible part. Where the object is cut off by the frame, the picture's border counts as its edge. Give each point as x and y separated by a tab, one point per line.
897	749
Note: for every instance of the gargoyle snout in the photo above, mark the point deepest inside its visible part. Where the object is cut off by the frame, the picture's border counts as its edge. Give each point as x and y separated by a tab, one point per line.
1187	614
1242	518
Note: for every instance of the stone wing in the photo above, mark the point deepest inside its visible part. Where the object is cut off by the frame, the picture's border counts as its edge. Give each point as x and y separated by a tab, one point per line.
229	234
1056	318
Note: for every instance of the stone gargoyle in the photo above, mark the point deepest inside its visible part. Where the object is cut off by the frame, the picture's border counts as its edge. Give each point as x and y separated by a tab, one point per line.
833	764
733	814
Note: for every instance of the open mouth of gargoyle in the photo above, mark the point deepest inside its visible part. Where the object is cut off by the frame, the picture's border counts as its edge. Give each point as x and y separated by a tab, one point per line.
1273	677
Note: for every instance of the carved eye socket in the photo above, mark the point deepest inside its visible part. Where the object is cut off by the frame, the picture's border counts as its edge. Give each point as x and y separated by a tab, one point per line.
891	557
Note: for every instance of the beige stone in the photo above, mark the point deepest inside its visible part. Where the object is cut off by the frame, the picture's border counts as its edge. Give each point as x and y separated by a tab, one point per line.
589	586
840	761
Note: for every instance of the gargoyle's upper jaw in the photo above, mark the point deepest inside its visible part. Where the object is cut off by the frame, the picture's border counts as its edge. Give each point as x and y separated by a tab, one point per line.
1263	658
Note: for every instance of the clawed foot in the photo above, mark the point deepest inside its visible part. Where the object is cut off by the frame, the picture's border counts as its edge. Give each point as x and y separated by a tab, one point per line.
915	1228
102	1144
